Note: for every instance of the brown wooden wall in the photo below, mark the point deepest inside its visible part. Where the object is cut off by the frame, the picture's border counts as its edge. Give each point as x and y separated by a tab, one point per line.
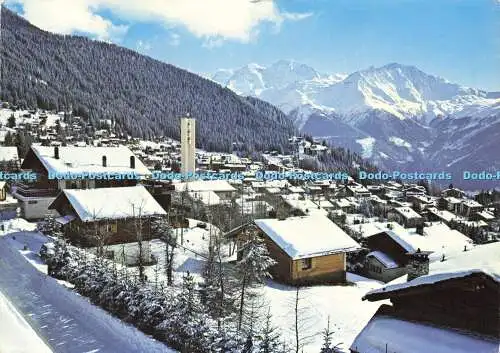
472	304
328	267
282	271
384	243
125	232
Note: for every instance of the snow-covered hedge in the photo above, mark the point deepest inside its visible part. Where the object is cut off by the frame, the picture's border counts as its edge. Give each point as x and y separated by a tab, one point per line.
170	314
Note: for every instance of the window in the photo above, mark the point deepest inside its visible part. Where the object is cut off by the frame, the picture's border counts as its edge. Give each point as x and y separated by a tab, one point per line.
111	228
306	264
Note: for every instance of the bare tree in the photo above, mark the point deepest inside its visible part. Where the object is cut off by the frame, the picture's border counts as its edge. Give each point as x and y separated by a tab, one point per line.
302	324
98	231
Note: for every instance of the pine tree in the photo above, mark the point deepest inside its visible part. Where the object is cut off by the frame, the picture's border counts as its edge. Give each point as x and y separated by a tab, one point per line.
327	339
11	121
253	268
270	342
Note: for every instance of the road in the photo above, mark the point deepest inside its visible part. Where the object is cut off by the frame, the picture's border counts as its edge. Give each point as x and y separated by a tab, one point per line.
64	320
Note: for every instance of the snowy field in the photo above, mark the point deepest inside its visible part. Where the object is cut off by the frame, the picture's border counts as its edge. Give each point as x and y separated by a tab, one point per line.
348	313
342	304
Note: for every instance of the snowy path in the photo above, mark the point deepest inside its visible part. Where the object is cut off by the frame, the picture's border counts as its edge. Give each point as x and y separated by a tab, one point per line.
15	333
66	321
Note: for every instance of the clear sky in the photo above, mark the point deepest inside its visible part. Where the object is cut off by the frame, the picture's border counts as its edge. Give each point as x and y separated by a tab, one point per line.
455	39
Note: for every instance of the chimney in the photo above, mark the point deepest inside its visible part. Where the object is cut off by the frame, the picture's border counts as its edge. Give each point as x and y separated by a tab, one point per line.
132	162
104	161
56	152
418	264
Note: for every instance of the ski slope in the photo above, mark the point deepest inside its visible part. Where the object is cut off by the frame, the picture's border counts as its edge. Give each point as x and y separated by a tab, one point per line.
65	320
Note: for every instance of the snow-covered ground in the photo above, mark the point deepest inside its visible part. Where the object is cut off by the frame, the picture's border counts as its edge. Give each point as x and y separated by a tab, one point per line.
342	304
65	320
86	328
348	313
16	335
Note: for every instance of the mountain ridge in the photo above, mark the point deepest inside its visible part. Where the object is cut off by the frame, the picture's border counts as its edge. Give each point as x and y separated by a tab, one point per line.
398	115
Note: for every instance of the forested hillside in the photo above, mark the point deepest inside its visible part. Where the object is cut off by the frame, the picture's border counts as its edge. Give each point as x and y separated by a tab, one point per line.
144	96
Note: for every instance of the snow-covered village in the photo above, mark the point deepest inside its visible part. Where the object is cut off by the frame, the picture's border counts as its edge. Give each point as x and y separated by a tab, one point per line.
249	176
236	264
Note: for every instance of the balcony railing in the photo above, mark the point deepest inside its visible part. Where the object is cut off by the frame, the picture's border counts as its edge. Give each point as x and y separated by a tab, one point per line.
31	191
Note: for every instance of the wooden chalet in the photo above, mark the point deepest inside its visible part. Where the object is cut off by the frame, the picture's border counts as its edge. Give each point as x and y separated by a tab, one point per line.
454	308
406	216
307	249
114	213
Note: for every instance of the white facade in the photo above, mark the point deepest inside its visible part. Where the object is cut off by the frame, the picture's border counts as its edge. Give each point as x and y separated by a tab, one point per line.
188	145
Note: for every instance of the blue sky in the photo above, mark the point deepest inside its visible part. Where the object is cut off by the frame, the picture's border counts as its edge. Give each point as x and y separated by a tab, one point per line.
456	39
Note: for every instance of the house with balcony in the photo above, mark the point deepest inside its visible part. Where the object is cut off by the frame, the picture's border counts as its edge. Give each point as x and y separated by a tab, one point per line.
48	162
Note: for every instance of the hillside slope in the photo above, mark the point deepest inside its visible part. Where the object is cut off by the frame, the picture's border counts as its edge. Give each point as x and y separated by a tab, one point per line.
144	96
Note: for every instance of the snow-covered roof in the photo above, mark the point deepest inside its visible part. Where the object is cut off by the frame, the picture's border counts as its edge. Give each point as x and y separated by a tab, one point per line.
8	153
384	259
443	214
306	206
113	203
296	189
471	203
479	259
308	236
250	206
451	199
343	203
407	212
208	198
74	159
205	185
388	334
438	238
486	215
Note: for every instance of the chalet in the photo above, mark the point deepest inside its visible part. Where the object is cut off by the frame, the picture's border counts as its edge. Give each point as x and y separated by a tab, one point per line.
357	190
300	205
406	216
444	216
380	266
345	205
208	192
255	208
113	213
9	159
8	205
422	202
307	249
413	190
452	308
470	207
376	189
451	203
392	246
453	192
46	161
